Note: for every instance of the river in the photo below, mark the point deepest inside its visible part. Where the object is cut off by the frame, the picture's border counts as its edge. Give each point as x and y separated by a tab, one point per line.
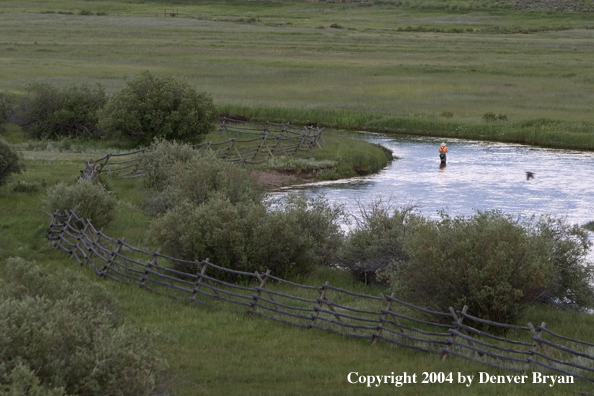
478	176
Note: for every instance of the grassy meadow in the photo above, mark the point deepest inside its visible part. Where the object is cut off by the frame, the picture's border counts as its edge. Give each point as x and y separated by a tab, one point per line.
417	66
426	67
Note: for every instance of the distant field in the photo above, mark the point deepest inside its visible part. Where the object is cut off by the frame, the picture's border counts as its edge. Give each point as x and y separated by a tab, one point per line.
380	67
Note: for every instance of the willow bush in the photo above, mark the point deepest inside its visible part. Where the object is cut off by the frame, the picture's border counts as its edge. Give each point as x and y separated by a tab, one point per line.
50	112
62	335
89	200
375	242
494	264
152	106
9	162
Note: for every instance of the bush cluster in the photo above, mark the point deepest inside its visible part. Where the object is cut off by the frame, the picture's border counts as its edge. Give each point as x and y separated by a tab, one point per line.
62	335
489	261
375	243
147	107
151	106
49	112
247	236
211	209
176	172
9	162
492	117
6	103
89	201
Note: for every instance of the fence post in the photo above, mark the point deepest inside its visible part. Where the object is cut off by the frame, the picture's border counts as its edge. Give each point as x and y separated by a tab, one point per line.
323	300
259	148
112	256
200	278
535	336
394	317
53	224
151	264
299	145
383	318
95	242
79	239
459	321
231	147
259	292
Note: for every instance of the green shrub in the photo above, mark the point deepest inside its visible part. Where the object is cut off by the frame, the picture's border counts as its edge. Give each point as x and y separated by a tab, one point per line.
177	172
89	201
375	242
165	107
319	221
567	247
61	335
85	12
492	117
205	174
246	236
6	104
160	157
492	263
9	162
25	187
48	112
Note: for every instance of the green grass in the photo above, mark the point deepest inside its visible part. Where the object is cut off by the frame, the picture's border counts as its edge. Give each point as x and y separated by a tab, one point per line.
368	75
375	73
219	352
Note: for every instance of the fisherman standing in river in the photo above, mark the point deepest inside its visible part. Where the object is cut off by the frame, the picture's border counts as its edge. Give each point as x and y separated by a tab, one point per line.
442	153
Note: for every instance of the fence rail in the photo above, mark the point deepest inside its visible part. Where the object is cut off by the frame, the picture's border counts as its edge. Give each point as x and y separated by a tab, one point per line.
325	307
269	140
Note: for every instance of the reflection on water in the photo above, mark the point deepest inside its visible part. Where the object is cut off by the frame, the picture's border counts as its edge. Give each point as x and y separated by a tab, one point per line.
478	175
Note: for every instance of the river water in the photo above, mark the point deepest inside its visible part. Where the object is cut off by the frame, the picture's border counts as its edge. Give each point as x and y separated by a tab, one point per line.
478	176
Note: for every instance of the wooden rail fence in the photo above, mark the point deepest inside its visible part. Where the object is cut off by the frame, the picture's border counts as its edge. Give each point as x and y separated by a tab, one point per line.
271	141
374	318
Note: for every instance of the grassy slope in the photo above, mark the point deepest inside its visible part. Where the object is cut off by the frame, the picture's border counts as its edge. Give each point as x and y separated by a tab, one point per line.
350	77
219	352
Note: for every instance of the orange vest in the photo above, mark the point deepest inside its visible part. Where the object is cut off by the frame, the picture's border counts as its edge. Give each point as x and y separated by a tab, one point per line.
443	149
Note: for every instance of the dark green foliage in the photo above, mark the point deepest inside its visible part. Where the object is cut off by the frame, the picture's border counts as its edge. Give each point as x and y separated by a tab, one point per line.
6	103
9	162
177	172
160	157
492	117
149	107
49	112
89	201
318	220
573	276
61	335
25	187
375	242
247	236
493	263
241	237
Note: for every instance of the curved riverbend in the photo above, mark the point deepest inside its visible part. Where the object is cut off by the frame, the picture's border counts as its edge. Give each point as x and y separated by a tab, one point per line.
478	176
